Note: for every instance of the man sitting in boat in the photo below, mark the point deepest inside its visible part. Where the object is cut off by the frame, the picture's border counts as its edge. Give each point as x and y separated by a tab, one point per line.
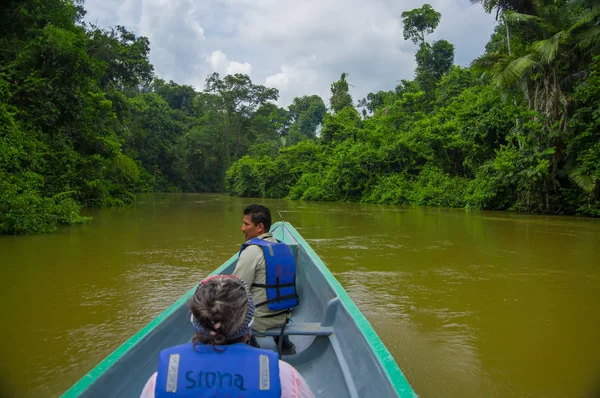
274	301
219	362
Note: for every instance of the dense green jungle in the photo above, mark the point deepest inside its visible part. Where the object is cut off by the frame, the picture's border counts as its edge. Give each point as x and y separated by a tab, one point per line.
85	122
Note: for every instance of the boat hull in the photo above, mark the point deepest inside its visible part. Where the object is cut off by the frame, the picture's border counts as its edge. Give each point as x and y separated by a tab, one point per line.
338	352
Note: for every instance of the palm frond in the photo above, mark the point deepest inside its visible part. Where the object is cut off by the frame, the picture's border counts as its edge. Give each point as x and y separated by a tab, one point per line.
487	61
584	181
488	5
589	39
507	75
548	49
592	15
515	17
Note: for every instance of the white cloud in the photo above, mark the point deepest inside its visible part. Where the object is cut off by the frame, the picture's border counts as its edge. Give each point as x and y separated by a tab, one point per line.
218	61
299	47
297	80
177	40
281	80
220	64
361	38
236	67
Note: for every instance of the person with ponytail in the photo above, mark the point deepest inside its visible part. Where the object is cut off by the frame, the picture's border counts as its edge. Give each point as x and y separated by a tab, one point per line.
218	362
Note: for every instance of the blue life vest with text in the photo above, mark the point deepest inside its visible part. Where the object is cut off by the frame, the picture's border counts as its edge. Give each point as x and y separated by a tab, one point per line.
280	274
239	370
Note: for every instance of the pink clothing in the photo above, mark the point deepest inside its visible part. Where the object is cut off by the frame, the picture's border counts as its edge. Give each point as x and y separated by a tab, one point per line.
292	383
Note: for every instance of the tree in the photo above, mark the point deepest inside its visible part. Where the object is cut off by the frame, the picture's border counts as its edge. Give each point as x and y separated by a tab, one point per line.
454	83
267	125
418	22
180	97
372	102
306	114
432	63
558	50
520	6
548	55
237	98
152	131
583	150
197	164
341	126
238	93
340	96
58	119
125	57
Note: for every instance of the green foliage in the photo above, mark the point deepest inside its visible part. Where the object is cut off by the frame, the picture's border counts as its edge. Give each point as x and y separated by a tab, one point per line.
375	101
26	211
340	174
246	176
453	84
340	96
124	57
393	189
263	176
420	21
583	150
178	97
196	160
340	127
433	62
23	208
306	114
556	48
432	187
455	138
84	122
238	93
59	125
152	130
523	6
236	99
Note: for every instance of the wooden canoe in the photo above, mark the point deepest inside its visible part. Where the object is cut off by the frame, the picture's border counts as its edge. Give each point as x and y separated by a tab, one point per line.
337	351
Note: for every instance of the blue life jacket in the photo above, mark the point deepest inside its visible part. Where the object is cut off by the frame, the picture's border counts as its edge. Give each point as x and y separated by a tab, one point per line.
280	275
238	371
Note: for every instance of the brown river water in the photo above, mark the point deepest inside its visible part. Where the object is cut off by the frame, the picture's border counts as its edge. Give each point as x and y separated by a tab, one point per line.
470	304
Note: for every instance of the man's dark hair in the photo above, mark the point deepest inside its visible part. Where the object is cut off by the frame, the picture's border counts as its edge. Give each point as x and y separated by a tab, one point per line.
259	214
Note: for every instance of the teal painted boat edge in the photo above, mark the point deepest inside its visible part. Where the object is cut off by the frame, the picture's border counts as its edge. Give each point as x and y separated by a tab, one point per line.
385	358
87	380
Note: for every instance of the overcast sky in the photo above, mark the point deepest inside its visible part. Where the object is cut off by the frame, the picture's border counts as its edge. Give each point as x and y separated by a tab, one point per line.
299	47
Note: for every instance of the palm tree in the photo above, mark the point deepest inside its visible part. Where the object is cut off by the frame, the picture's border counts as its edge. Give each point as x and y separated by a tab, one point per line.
520	6
559	43
548	69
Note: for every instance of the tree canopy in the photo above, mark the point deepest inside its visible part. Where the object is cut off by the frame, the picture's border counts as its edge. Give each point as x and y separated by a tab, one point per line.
516	131
419	22
340	94
85	122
